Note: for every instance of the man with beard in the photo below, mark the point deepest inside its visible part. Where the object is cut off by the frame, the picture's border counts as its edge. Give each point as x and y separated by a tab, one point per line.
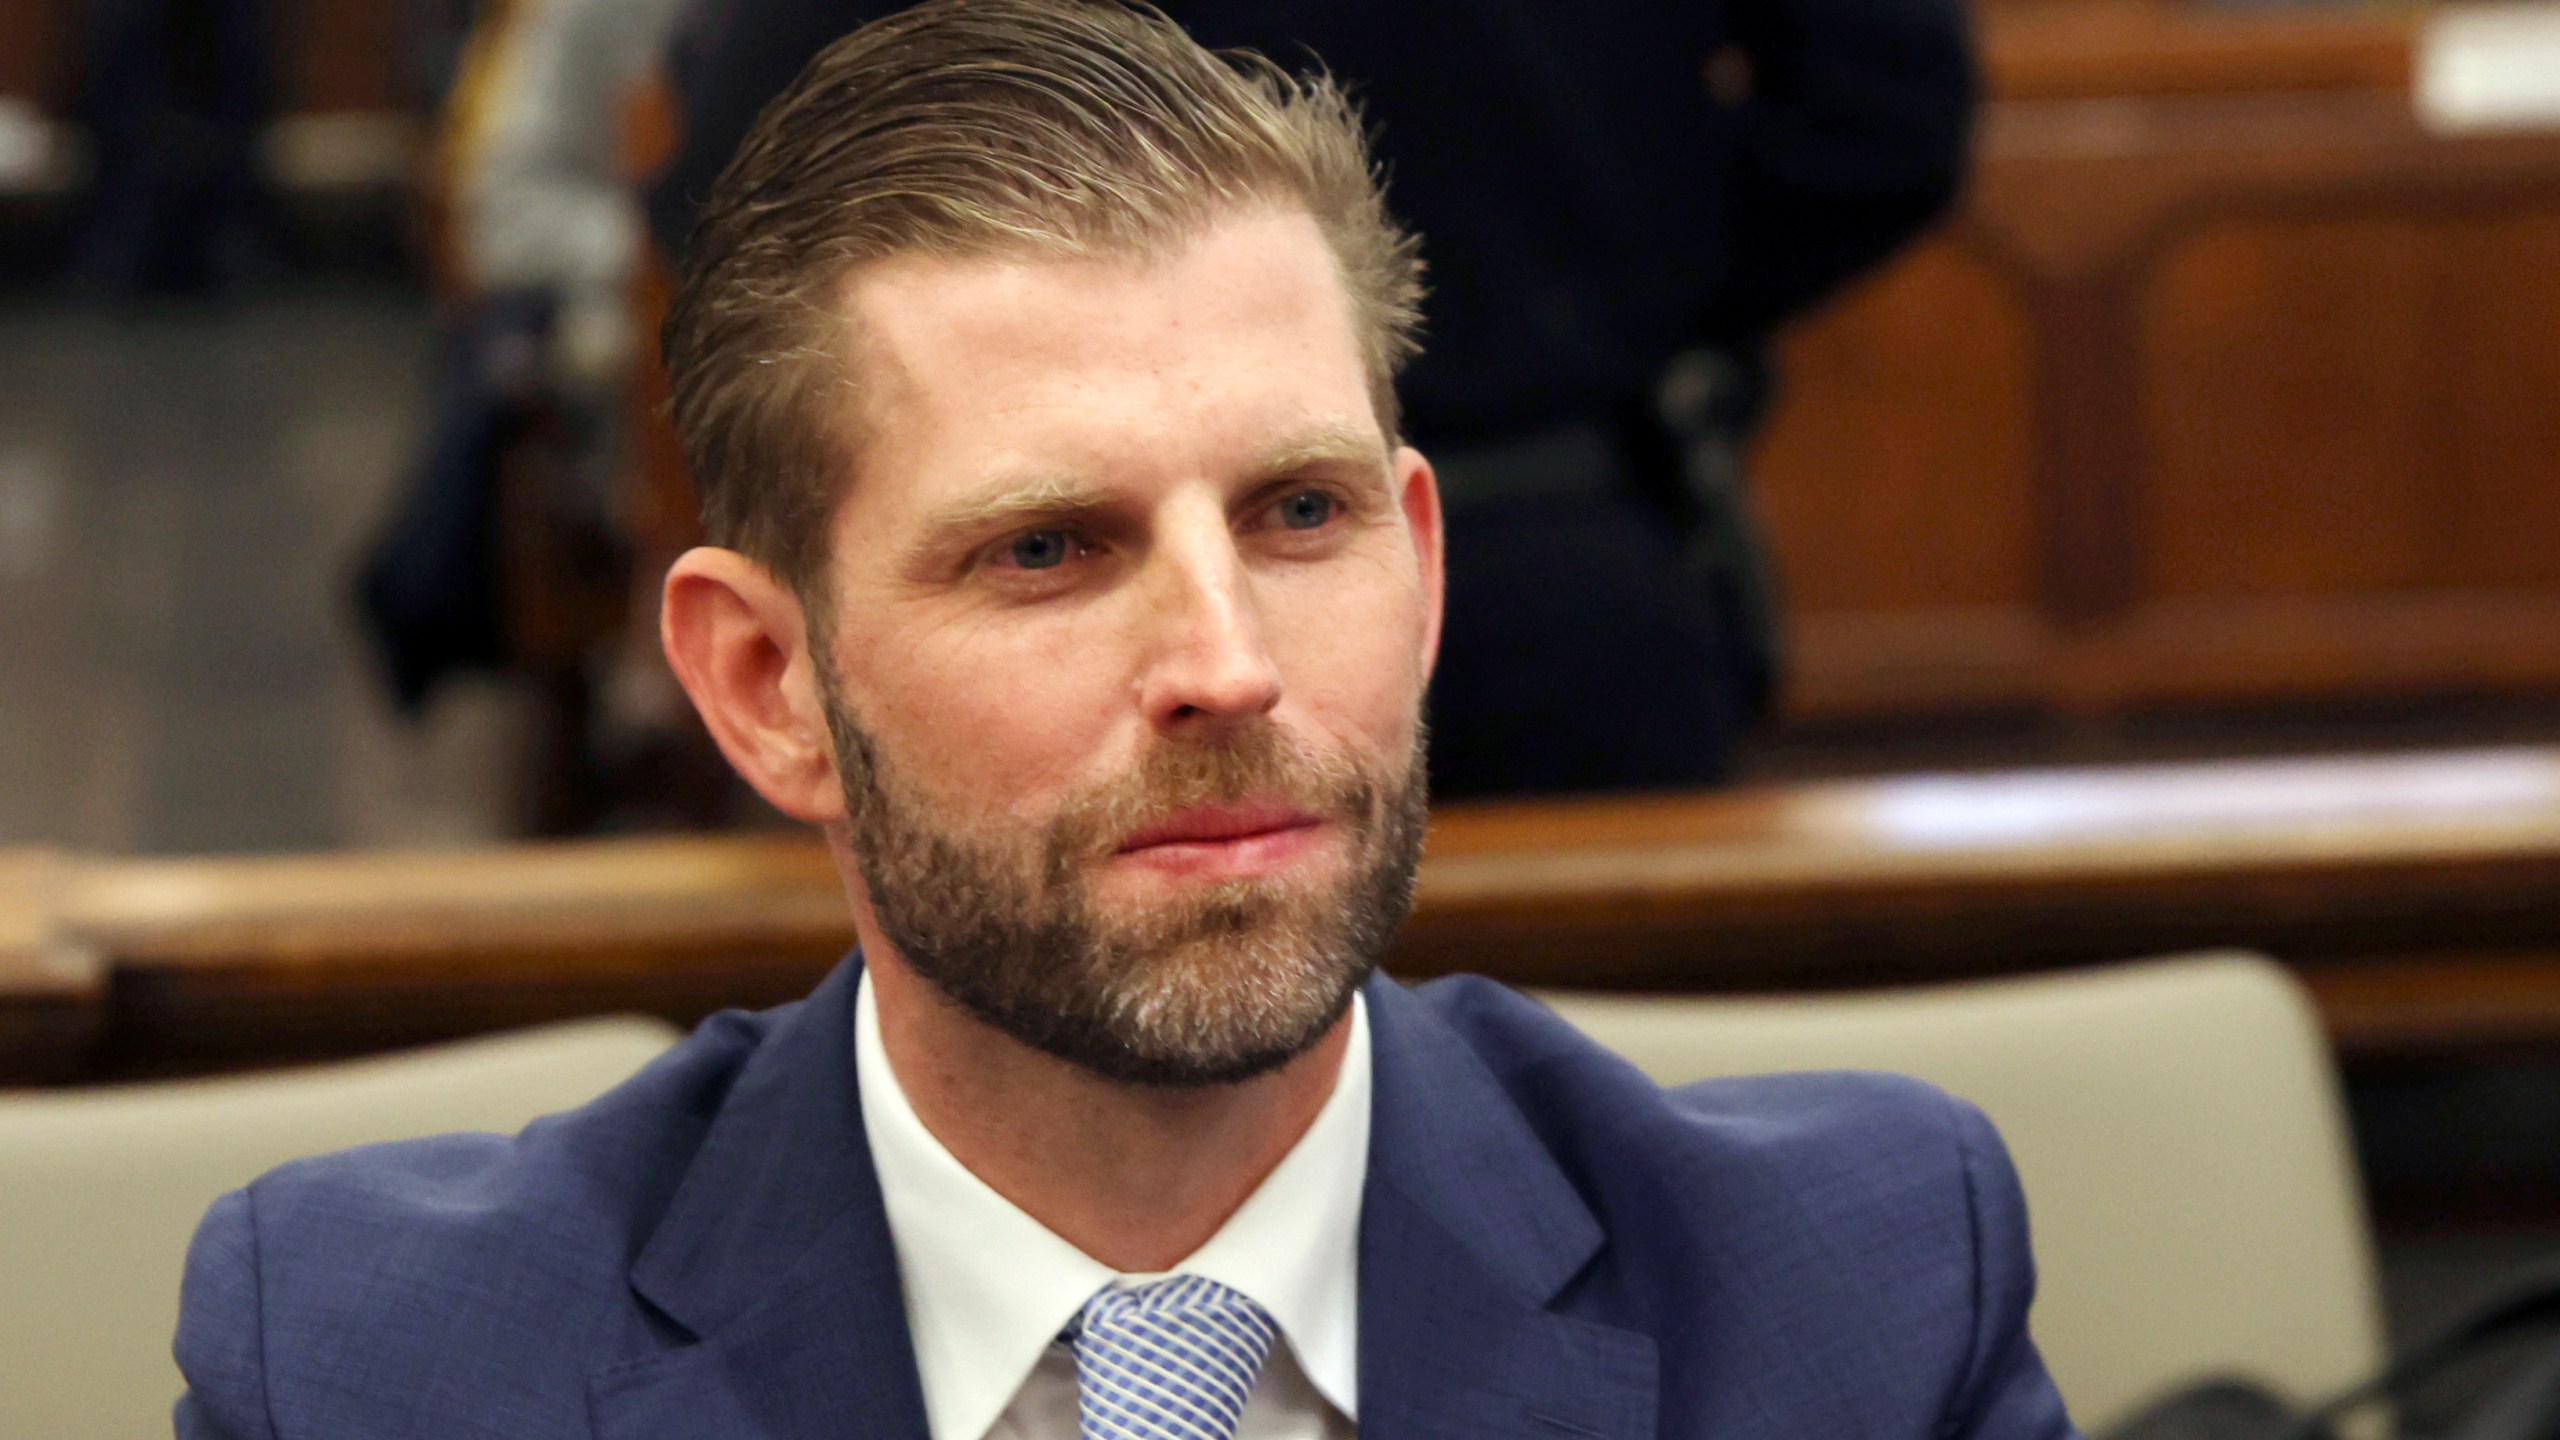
1036	367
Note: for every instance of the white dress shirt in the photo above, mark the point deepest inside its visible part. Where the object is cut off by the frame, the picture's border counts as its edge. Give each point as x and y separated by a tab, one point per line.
988	1288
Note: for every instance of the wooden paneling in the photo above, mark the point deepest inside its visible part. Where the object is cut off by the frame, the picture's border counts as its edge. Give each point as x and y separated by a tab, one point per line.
1924	376
2210	393
342	55
2284	366
2499	379
2351	405
1894	577
2312	648
2375	878
2069	49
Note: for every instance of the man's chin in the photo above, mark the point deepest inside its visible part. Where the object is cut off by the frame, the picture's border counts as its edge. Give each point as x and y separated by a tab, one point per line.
1217	1016
1241	933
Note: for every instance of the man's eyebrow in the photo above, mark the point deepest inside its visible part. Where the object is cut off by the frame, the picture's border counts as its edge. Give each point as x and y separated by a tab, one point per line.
1324	444
1006	503
999	505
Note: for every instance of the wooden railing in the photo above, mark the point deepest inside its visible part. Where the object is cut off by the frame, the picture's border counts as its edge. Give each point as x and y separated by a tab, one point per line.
2419	896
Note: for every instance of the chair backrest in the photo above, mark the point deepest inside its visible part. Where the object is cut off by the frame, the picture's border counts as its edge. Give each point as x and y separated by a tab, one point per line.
2178	1128
101	1190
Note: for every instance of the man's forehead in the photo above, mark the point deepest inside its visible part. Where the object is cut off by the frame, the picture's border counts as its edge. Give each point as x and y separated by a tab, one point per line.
1014	372
1244	261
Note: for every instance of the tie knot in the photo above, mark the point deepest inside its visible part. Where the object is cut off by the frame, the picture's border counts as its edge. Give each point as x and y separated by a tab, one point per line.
1174	1296
1175	1357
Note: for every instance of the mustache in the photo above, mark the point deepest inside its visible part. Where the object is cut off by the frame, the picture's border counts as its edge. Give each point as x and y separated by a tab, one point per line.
1260	763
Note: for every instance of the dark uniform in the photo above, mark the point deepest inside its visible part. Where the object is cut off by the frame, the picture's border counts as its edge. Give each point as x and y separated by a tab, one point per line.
1603	226
175	95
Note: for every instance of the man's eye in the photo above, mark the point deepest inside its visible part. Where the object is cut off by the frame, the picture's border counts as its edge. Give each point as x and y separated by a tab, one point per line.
1040	549
1306	510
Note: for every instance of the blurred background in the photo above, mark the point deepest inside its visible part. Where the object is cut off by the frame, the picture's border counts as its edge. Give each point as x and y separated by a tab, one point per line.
2058	482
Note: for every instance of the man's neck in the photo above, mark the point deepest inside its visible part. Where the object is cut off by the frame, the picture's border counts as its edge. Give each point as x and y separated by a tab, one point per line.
1138	1177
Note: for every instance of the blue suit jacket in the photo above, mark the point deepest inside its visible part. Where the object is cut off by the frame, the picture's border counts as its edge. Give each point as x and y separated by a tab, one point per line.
1550	1246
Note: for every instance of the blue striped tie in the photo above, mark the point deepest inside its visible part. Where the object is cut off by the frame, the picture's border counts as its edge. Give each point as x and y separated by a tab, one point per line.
1173	1359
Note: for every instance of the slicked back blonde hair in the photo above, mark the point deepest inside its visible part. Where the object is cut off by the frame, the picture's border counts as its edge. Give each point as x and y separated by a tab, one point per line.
966	128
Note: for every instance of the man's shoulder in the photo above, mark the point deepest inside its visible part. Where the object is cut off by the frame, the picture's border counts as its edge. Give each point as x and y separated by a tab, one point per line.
608	1162
1567	1085
1769	1171
1859	1239
469	1259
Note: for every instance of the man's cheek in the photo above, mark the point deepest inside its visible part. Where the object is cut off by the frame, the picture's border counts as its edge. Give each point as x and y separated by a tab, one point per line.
1372	687
999	702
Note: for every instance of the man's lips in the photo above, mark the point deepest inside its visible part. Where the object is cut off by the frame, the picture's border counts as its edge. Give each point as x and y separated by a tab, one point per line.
1224	842
1217	825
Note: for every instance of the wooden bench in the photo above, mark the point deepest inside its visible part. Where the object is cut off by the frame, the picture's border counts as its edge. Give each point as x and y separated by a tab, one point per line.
2419	895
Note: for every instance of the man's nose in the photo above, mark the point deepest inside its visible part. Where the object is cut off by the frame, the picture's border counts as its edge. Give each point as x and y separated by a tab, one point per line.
1206	663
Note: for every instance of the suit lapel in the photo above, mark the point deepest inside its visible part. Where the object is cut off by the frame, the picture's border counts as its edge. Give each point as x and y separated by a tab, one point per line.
1468	1230
774	1261
774	1258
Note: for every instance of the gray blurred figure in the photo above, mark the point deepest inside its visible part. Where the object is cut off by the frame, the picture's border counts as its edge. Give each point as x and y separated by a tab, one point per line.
528	397
541	199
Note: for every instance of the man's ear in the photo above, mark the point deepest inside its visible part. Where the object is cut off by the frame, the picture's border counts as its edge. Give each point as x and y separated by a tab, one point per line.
739	645
1418	491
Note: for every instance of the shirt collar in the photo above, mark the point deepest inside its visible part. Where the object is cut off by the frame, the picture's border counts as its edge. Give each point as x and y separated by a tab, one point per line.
988	1288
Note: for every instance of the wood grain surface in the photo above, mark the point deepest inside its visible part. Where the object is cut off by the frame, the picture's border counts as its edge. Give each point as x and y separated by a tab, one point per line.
2069	49
2226	384
2420	894
52	988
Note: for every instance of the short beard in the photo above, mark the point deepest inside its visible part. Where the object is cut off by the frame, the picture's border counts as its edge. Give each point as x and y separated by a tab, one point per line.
1222	985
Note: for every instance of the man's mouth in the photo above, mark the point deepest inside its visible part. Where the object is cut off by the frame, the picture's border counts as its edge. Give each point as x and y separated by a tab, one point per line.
1224	840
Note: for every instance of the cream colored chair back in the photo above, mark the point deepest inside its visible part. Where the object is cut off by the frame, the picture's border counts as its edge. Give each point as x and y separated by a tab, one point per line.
2177	1126
101	1190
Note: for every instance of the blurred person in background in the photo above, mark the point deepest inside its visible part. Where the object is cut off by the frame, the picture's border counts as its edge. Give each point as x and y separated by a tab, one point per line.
176	95
543	236
1621	202
541	198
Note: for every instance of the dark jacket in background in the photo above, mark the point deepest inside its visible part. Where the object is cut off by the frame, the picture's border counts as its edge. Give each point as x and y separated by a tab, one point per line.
176	95
1590	208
